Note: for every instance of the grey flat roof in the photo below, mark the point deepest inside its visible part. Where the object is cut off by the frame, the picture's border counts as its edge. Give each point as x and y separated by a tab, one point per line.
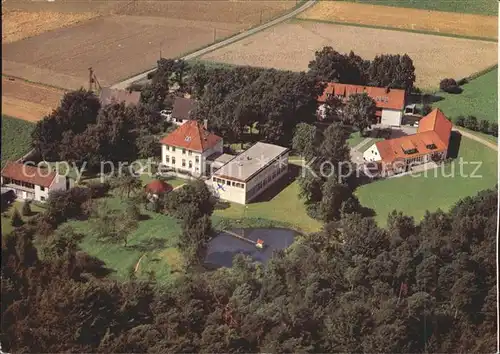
219	157
245	165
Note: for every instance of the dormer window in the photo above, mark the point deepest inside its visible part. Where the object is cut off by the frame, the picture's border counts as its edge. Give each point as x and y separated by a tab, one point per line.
431	146
187	139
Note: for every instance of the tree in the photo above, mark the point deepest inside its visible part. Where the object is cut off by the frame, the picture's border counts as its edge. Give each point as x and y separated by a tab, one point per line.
190	202
484	126
333	109
197	80
450	86
359	111
310	187
460	121
334	194
393	71
16	219
305	140
147	145
194	239
494	129
471	123
332	66
126	182
26	208
334	152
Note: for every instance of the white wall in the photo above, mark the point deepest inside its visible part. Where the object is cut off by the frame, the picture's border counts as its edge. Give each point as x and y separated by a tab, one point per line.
372	154
391	117
232	191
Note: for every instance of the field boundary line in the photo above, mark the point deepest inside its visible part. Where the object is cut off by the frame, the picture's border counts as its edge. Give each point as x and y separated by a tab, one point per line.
441	34
300	7
8	76
481	73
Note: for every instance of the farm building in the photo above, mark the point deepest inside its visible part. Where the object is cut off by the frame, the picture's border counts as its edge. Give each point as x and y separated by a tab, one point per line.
190	148
250	173
33	183
390	102
181	110
109	96
430	143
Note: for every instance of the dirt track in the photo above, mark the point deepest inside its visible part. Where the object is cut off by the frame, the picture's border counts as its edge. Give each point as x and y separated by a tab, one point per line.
397	17
292	45
28	101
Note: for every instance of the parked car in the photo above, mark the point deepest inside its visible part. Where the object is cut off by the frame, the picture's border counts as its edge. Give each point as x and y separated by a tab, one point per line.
166	113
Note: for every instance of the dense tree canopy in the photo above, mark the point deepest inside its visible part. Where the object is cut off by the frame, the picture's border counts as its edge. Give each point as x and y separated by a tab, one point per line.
426	287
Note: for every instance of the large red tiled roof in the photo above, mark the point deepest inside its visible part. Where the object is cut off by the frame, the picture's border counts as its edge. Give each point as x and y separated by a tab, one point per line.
192	136
384	98
434	129
28	174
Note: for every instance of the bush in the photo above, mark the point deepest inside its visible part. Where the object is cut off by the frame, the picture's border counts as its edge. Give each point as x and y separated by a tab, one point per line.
313	211
494	129
463	81
98	190
16	219
471	123
426	109
450	86
26	208
484	126
460	121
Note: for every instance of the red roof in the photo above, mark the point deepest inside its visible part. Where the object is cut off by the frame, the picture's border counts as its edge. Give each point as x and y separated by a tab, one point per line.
383	97
192	136
434	129
157	187
29	174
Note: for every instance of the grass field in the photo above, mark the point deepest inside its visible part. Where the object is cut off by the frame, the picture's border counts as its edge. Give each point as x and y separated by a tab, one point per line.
479	98
156	238
414	195
291	46
285	207
484	7
16	138
6	226
450	23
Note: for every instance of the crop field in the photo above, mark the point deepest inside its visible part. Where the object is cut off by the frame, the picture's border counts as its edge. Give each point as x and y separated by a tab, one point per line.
291	46
483	7
127	39
28	101
16	138
414	195
405	19
479	98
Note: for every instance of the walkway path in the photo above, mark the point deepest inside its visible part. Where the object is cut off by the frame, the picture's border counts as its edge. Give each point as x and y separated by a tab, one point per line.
124	84
477	138
361	144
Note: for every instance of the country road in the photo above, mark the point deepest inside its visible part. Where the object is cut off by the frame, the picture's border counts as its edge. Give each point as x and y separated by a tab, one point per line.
477	138
124	84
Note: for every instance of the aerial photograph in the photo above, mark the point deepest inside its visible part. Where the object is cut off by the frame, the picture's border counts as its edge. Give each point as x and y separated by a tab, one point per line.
249	176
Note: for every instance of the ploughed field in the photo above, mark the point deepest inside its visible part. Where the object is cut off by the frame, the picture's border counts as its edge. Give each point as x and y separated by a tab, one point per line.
291	46
453	23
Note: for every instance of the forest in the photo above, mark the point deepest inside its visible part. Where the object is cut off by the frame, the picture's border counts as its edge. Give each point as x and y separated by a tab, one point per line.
352	287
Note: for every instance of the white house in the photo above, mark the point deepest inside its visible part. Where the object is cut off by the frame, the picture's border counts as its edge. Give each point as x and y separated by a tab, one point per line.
189	148
250	173
32	183
390	102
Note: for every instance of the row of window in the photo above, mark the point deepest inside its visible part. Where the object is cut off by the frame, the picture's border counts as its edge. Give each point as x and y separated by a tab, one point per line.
228	183
196	161
21	183
265	181
172	148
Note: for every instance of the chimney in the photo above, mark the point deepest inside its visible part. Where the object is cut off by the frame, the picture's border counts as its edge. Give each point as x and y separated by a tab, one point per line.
387	89
205	123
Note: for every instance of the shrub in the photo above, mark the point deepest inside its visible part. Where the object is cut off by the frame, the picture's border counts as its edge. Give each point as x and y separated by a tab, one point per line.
26	208
450	86
98	190
16	219
313	211
463	81
460	121
484	126
471	123
494	129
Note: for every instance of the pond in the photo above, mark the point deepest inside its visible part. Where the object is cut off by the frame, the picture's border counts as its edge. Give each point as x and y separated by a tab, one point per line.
223	247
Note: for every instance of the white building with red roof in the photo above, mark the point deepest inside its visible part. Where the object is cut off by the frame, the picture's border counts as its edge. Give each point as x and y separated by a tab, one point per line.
191	148
430	143
31	182
390	102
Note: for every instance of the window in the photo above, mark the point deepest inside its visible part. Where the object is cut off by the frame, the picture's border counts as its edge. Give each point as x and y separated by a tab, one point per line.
167	159
173	160
184	151
42	188
190	153
183	163
197	159
190	164
173	148
197	169
42	198
166	147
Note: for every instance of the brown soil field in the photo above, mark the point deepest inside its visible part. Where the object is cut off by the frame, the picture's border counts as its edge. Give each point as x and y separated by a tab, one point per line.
17	25
411	19
291	46
116	47
28	101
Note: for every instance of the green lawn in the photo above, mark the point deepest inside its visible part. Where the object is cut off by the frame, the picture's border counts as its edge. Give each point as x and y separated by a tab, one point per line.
285	208
483	7
354	139
479	98
414	195
16	138
6	226
155	238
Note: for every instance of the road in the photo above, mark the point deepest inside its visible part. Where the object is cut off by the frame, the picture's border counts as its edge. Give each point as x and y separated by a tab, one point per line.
124	84
477	138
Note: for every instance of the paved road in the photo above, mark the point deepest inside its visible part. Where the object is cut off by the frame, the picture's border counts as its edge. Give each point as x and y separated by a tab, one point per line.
477	138
124	84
